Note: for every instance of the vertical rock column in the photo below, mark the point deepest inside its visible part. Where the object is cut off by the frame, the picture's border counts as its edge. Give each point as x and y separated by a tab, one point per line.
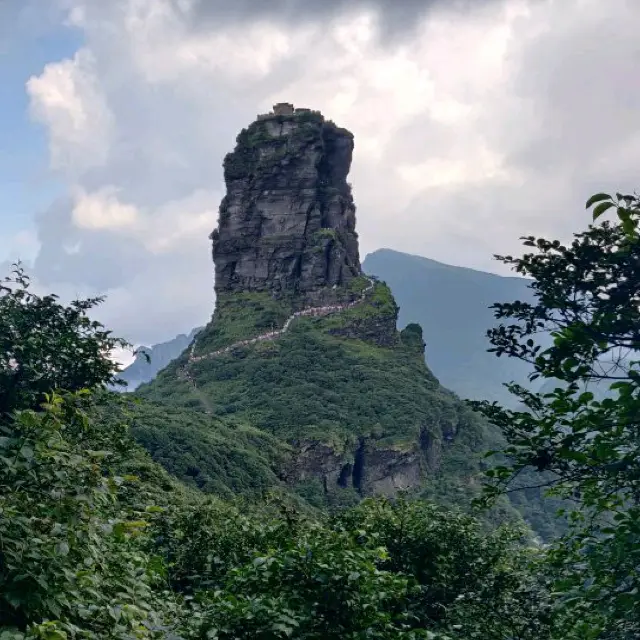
287	221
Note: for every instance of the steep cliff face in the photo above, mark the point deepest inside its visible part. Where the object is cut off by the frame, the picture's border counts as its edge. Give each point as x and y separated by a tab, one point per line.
303	348
287	222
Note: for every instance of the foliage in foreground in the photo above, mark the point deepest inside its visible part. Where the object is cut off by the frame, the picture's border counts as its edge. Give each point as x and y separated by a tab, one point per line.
88	549
585	446
69	547
87	554
46	345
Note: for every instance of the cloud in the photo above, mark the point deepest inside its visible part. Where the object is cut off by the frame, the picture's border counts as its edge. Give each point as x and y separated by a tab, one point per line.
103	210
395	18
22	245
475	123
157	230
67	98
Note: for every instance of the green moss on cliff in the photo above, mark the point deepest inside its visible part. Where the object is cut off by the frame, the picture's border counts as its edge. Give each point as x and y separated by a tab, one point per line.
373	320
357	285
322	234
309	116
242	316
411	336
258	150
235	166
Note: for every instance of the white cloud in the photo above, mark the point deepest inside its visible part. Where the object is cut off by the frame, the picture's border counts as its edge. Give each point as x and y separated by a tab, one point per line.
103	210
158	230
122	357
182	221
68	99
22	245
476	126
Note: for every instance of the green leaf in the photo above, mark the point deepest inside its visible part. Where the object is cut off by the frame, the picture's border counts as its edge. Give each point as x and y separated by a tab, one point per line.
62	548
27	453
601	208
598	197
629	226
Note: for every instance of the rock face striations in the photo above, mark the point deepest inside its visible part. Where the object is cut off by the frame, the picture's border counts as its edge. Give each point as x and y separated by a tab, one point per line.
287	222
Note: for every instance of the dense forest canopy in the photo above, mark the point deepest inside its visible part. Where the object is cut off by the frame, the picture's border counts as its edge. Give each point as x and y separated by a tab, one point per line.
97	541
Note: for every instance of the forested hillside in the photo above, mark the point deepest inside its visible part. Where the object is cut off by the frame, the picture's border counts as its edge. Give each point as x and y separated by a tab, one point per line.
451	304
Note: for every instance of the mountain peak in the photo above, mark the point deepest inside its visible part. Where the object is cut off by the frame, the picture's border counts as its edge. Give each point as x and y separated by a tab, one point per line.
287	221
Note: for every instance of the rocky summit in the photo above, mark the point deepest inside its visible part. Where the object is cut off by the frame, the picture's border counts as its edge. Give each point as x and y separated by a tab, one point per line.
301	381
287	221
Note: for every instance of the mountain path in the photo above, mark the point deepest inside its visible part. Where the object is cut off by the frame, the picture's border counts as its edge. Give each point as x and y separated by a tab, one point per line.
183	372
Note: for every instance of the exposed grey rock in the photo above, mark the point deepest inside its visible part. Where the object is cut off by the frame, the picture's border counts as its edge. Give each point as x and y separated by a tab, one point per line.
387	471
287	221
313	459
369	467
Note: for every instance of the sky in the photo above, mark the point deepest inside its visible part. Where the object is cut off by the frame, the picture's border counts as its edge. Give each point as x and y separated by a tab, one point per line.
475	123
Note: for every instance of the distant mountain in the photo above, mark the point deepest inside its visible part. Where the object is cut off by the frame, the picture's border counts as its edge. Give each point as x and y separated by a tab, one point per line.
160	355
452	306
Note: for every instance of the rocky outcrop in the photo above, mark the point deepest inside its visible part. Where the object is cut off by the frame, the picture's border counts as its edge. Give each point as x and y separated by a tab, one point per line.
387	470
378	329
315	459
368	466
287	221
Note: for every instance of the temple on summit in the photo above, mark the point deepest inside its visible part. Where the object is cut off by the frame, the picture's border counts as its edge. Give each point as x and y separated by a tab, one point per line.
287	221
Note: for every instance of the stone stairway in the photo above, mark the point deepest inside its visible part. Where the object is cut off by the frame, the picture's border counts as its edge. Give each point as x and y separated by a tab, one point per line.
183	372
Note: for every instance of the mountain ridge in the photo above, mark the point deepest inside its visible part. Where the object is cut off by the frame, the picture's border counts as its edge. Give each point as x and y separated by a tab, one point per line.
452	304
150	360
438	263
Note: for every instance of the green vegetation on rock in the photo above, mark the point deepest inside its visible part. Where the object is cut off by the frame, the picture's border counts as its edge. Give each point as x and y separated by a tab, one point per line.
452	305
241	316
366	396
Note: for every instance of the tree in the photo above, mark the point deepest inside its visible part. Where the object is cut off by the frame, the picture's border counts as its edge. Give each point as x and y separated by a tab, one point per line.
587	449
401	569
45	345
71	558
472	582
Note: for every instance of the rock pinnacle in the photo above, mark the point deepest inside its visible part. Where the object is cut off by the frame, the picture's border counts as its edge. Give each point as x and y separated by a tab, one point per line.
287	221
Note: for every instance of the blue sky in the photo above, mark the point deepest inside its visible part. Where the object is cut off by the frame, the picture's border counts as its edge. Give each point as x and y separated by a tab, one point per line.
27	186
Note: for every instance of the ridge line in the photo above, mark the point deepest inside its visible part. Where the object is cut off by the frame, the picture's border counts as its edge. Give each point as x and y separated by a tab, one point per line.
183	371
